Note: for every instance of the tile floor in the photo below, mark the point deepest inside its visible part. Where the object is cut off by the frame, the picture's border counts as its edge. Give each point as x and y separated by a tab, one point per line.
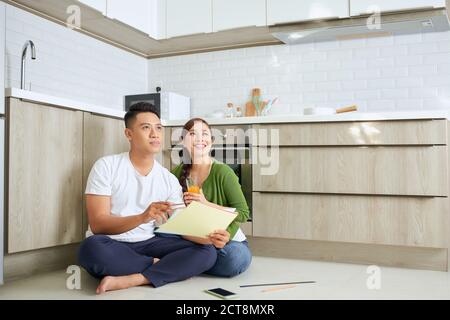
333	281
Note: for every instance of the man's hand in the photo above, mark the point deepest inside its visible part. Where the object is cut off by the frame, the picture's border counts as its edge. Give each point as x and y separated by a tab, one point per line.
219	238
158	211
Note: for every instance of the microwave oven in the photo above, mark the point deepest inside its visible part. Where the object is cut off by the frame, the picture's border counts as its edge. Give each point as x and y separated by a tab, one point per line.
170	105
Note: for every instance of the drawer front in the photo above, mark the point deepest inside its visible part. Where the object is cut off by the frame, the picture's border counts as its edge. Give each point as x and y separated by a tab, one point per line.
414	132
418	171
408	221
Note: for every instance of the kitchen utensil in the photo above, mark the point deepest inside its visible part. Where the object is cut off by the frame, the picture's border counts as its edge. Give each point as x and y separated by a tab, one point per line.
269	105
256	99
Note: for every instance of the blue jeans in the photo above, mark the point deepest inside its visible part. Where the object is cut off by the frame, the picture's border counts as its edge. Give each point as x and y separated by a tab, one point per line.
180	259
233	259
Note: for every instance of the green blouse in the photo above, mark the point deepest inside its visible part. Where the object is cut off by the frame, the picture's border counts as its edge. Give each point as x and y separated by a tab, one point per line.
222	187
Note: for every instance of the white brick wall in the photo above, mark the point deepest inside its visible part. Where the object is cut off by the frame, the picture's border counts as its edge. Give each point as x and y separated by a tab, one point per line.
69	64
394	73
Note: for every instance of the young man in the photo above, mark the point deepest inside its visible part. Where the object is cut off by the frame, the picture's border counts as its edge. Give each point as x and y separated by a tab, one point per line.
125	194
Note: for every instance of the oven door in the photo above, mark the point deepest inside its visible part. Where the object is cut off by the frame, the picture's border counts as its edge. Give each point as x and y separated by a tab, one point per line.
238	159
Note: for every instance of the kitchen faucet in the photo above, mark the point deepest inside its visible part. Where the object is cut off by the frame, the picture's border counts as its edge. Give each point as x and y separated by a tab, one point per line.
24	55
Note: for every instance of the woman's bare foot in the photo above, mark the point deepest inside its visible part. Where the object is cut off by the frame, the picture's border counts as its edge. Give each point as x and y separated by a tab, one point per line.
110	283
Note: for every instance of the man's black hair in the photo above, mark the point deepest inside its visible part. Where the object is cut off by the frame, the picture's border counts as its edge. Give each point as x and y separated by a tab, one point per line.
137	108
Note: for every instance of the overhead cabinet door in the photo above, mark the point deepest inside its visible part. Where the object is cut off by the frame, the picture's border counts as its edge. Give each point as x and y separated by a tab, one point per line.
230	14
135	13
188	17
286	11
361	7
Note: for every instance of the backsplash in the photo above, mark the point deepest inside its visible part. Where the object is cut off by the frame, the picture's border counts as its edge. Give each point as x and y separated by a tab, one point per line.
69	64
410	72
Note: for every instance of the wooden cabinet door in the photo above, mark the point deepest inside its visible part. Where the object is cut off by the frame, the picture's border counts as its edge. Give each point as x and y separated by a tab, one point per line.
392	170
102	136
405	221
44	176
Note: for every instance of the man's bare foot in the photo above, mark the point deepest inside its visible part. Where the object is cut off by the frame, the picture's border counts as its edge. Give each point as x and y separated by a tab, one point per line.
110	283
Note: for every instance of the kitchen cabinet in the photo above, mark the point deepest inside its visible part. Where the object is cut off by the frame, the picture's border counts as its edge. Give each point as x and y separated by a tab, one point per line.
44	170
405	221
354	191
102	136
288	11
158	19
366	133
230	14
188	17
396	170
135	13
99	5
334	158
362	7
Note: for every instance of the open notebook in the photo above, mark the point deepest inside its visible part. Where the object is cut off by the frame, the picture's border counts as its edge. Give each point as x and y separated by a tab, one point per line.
198	220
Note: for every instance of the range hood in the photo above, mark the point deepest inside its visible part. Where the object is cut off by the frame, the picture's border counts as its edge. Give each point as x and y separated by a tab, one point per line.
358	28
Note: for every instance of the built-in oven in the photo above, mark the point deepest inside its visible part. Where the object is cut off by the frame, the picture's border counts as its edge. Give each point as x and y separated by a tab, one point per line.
231	145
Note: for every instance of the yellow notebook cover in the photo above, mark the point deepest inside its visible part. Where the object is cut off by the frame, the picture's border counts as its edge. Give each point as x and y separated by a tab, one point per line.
197	220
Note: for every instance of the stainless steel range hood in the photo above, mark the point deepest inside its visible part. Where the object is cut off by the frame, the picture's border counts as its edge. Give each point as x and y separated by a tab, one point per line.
355	28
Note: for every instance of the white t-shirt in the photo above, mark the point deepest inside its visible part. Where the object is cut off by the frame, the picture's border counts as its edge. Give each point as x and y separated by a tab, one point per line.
130	192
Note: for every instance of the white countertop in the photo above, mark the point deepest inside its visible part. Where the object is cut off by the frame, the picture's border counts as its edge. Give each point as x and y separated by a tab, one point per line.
62	102
349	116
292	118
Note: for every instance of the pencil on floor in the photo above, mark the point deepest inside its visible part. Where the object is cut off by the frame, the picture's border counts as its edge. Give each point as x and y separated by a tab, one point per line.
274	284
278	288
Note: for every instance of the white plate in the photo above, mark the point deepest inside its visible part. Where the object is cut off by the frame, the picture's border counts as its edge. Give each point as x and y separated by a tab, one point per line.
318	111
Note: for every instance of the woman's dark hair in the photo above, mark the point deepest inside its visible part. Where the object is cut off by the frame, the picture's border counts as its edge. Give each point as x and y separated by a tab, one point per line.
186	161
137	108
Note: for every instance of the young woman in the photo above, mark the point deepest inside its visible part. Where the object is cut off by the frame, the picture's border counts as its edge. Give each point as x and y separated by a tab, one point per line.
219	188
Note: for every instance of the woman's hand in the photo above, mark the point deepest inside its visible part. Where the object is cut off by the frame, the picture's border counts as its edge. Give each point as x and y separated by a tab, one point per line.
190	196
219	238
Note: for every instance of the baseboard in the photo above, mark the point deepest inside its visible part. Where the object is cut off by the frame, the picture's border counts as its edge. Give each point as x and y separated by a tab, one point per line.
369	254
25	264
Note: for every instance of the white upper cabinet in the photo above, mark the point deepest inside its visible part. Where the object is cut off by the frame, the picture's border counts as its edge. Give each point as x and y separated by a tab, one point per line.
360	7
185	17
230	14
286	11
158	19
99	5
135	13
